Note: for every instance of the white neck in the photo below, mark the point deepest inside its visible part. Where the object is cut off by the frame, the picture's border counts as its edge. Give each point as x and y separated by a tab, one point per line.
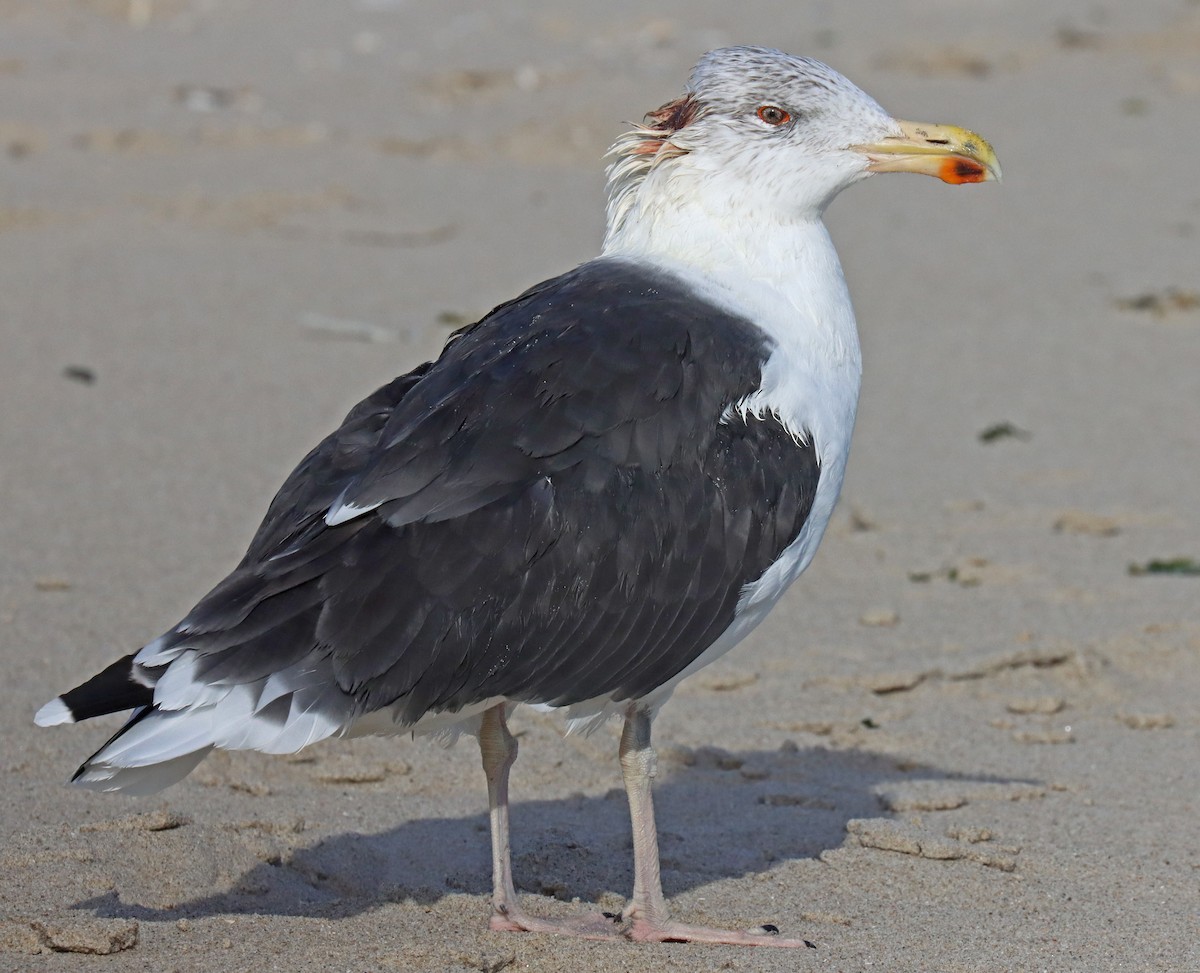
783	274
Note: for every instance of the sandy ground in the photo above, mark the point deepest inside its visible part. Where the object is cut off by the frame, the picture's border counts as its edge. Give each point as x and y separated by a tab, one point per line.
968	738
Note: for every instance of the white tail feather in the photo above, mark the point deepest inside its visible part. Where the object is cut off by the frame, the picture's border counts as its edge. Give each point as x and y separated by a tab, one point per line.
158	737
139	781
191	717
178	688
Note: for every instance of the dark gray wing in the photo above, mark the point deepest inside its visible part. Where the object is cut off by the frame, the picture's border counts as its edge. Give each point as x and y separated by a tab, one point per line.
561	507
328	469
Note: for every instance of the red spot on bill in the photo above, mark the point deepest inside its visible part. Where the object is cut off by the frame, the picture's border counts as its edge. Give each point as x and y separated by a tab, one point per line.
957	170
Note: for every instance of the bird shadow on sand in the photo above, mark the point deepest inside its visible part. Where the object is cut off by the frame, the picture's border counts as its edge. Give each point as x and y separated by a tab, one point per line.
723	815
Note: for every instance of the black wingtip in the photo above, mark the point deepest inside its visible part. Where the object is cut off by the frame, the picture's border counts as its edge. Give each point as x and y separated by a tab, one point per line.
112	690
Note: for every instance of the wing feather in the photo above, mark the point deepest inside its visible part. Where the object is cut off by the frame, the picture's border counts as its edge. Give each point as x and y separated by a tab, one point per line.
562	506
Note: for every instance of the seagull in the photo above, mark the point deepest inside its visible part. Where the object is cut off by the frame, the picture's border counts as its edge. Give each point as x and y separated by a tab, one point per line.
596	490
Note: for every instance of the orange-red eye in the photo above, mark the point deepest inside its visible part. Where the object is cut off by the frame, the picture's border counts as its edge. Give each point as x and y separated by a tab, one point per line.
773	115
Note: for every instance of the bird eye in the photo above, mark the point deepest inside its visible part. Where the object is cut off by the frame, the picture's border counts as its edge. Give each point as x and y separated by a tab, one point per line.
773	115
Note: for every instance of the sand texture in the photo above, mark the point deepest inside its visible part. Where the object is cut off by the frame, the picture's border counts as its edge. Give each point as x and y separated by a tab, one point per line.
967	740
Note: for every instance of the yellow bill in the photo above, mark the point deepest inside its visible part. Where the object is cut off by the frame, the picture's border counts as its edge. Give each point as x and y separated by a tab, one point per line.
952	154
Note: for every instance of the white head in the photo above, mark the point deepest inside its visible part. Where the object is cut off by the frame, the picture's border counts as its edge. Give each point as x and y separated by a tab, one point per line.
765	135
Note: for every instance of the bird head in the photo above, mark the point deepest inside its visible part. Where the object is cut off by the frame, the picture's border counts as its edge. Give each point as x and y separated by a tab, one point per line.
766	133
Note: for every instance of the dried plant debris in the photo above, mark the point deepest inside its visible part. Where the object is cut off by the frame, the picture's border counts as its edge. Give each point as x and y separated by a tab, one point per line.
879	618
1147	721
79	373
968	575
1003	430
1081	522
1161	304
1173	565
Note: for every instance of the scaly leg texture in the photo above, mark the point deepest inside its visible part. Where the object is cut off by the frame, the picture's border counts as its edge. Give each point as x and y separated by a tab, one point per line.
645	919
646	913
498	749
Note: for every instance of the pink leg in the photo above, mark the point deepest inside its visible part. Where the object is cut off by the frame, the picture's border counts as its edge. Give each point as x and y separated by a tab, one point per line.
498	749
647	911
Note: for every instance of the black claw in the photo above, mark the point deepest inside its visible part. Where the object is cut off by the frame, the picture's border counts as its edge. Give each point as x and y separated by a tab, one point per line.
810	944
614	916
770	928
